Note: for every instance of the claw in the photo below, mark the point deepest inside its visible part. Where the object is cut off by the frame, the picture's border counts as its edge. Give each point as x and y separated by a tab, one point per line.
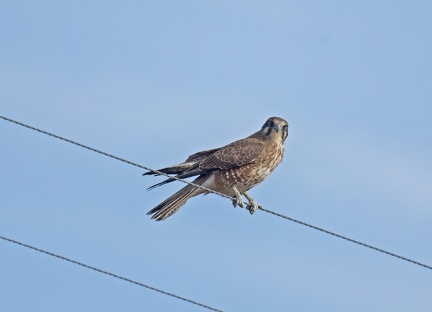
238	200
252	205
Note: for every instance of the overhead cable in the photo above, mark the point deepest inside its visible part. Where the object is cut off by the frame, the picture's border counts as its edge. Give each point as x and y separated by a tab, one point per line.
109	273
217	193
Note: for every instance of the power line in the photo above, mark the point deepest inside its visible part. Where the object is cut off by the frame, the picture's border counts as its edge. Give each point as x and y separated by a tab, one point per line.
347	238
220	194
109	274
111	156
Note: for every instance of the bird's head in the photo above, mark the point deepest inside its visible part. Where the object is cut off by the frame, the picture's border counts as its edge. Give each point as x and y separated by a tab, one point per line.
275	127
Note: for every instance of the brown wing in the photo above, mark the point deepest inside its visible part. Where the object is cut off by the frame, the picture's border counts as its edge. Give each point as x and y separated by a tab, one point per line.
236	154
200	155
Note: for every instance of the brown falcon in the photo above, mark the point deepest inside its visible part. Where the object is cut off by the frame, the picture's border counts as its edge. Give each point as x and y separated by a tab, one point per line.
231	170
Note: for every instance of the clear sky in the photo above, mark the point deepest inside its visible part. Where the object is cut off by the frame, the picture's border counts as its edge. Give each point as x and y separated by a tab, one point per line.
155	81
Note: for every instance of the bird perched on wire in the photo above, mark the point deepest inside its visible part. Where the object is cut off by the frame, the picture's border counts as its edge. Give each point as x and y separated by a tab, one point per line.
231	170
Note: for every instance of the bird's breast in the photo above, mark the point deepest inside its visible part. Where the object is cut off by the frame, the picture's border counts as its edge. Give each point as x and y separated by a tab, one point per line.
250	175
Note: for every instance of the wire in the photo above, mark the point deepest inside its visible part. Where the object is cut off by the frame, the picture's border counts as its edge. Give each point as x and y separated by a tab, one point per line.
223	195
108	273
347	238
112	156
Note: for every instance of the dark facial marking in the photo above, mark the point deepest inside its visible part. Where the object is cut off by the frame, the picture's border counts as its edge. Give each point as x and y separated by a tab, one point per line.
284	132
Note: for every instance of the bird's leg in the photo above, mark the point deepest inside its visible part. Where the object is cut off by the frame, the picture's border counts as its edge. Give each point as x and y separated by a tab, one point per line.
252	205
237	201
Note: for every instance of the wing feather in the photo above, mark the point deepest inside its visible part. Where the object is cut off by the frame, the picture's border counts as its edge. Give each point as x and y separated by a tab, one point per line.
236	154
200	155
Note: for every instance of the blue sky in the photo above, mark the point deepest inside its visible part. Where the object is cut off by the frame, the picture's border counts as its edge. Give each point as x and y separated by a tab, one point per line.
154	82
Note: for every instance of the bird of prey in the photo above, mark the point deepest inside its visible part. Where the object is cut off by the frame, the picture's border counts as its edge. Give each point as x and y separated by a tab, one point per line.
231	170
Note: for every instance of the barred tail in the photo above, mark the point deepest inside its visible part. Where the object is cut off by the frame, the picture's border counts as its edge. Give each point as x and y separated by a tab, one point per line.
172	204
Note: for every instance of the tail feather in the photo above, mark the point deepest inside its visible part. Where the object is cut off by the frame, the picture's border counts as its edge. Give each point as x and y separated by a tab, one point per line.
160	184
172	204
181	176
176	169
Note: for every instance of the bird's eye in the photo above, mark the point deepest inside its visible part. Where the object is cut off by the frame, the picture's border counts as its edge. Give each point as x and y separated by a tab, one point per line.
271	123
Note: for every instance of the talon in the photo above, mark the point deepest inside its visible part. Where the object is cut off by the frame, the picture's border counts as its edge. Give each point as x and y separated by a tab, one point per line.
236	203
252	205
238	200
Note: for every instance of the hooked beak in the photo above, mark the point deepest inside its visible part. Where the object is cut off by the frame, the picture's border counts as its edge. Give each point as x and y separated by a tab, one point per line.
276	127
